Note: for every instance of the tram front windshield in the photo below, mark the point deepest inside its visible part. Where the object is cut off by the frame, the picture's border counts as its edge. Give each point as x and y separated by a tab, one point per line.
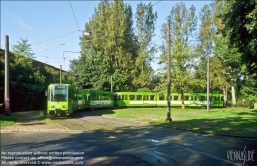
58	93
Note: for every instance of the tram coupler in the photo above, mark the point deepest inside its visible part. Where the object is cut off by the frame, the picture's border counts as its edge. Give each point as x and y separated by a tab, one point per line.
57	112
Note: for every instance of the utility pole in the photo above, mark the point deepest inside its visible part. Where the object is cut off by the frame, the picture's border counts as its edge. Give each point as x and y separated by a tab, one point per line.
208	83
111	84
168	88
60	74
111	73
6	77
226	96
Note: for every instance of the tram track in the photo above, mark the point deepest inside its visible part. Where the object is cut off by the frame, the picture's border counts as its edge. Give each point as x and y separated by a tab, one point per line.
130	137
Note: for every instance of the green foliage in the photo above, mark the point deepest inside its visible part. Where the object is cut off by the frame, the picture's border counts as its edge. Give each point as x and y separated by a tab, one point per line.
27	84
93	71
144	90
183	26
238	44
23	49
208	30
145	21
113	51
111	40
249	90
240	18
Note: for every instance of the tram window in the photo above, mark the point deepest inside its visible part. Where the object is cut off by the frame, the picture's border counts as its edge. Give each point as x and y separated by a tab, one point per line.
93	96
145	97
175	98
122	97
139	97
202	98
126	97
132	97
186	98
193	98
161	97
119	97
152	97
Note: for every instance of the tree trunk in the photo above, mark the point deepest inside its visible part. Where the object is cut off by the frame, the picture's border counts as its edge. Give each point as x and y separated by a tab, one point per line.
233	95
225	94
255	106
182	101
224	97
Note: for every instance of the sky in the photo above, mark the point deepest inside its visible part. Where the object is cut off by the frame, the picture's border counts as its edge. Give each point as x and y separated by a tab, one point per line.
53	28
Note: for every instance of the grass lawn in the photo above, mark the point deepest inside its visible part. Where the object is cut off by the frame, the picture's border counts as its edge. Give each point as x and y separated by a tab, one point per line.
231	121
8	120
14	117
41	116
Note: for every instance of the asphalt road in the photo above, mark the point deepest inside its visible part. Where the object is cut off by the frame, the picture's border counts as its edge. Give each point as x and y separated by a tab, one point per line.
110	141
78	148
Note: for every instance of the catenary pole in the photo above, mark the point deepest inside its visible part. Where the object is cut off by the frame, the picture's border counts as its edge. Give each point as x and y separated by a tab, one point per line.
6	78
208	83
60	74
168	86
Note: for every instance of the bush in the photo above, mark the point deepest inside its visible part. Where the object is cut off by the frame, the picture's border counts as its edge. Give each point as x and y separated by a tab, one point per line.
240	103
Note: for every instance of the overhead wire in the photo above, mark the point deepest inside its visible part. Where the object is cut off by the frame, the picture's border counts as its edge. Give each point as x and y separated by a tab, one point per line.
64	34
157	2
74	31
74	16
55	37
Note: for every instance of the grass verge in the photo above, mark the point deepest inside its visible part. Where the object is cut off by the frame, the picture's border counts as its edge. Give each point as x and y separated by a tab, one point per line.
41	116
228	121
8	120
33	115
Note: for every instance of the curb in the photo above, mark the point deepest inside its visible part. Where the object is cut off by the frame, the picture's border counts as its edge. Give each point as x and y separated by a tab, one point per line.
39	130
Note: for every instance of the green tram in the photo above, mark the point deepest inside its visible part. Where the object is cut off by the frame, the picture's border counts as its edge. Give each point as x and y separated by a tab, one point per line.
94	99
146	99
65	99
61	99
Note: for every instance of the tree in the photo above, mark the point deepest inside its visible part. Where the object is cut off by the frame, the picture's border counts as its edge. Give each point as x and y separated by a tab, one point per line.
112	38
23	49
226	46
94	73
209	34
183	26
208	30
26	82
145	22
240	18
249	89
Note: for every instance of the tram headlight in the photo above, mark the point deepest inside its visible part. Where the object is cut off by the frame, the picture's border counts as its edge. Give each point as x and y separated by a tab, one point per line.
52	106
64	106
